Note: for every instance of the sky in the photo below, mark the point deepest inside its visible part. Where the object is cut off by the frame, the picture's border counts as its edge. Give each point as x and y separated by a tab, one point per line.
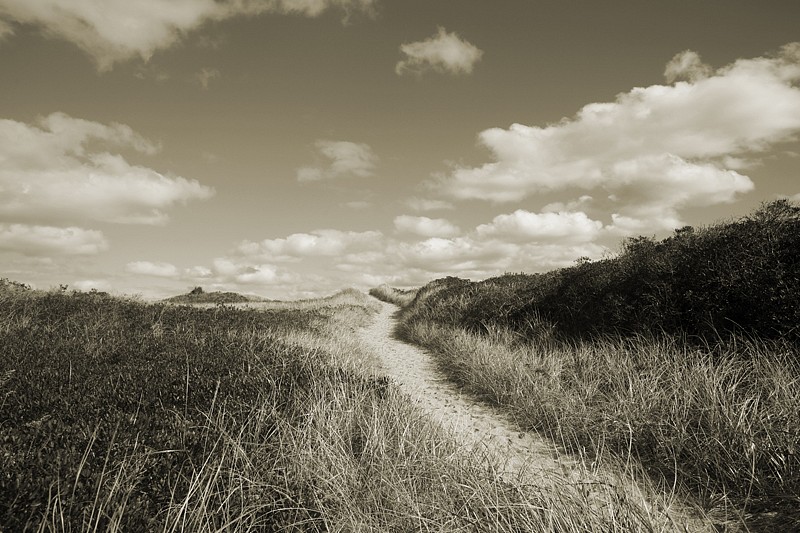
293	148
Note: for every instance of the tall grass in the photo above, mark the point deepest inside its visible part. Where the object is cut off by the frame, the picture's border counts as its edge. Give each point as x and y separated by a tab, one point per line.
725	426
399	297
680	354
121	416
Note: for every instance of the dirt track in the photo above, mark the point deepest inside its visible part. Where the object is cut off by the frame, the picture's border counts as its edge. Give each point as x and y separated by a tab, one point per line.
520	456
518	452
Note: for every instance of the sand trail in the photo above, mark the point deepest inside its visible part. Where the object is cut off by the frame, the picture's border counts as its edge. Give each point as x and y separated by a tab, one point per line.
519	456
517	453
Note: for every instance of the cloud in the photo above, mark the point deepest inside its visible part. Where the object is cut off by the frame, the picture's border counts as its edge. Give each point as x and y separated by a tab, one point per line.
86	285
344	159
574	205
147	268
45	241
426	227
668	146
57	171
686	66
318	243
113	30
322	261
110	31
205	75
259	275
525	226
444	52
5	30
426	204
440	256
357	204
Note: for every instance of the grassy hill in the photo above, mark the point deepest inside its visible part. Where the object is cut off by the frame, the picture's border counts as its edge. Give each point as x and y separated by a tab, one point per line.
215	297
740	277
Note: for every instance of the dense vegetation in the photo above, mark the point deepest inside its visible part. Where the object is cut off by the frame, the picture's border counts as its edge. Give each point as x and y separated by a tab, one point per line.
109	406
199	296
682	353
736	278
117	415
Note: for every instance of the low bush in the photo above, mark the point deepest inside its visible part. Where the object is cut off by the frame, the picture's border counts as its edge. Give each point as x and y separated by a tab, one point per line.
730	279
401	297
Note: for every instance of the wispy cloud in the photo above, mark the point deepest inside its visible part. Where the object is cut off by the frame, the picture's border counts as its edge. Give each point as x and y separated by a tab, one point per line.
344	158
653	151
318	243
686	66
205	75
5	30
111	31
92	284
444	52
426	227
54	171
45	241
357	204
427	204
148	268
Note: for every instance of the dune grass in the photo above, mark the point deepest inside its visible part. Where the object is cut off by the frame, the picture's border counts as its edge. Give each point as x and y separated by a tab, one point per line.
117	415
681	355
392	295
725	427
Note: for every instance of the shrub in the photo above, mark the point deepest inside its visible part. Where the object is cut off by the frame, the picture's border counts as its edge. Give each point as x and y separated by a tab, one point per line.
737	277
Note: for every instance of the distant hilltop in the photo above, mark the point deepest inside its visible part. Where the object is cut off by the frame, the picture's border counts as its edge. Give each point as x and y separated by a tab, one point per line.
199	296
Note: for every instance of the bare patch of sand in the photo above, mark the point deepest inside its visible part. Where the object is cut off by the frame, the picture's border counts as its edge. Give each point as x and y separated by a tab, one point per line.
473	422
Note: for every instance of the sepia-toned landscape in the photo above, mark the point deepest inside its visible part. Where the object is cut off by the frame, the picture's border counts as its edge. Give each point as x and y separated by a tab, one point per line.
384	266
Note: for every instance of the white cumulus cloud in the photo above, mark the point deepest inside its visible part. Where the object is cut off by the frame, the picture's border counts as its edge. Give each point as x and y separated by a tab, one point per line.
444	52
686	66
44	241
110	31
318	243
148	268
58	171
654	150
525	226
343	158
86	285
426	227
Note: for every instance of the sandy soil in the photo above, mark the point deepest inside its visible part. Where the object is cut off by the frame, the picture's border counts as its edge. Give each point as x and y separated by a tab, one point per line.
518	453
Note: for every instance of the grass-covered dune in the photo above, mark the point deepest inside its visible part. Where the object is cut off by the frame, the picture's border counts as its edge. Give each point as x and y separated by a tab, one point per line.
740	277
682	353
199	296
116	415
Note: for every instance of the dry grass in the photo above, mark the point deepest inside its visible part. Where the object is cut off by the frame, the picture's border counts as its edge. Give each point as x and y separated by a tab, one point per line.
264	420
725	426
395	296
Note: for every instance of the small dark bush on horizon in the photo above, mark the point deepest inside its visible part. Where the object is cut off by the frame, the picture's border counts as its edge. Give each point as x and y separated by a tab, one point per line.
198	296
739	277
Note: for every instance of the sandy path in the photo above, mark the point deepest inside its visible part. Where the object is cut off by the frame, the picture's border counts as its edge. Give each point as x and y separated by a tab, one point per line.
521	456
518	453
